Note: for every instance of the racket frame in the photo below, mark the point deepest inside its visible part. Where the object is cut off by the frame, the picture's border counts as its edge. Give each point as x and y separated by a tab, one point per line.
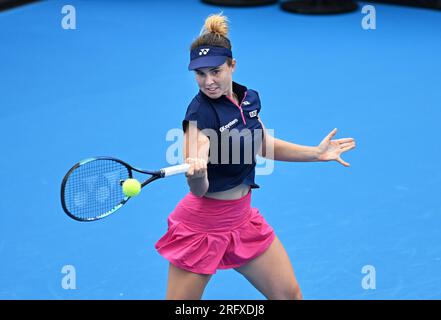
154	176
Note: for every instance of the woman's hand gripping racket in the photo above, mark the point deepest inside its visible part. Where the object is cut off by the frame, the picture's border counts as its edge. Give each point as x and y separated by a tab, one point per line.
92	189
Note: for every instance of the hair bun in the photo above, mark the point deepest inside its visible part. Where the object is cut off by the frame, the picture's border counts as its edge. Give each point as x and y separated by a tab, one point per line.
217	23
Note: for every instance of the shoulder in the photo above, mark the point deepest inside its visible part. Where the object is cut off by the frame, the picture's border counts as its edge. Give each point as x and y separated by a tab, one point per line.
252	96
199	105
253	93
241	88
201	111
252	100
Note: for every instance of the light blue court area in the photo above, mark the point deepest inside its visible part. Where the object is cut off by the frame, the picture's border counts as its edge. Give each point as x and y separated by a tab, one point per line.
118	84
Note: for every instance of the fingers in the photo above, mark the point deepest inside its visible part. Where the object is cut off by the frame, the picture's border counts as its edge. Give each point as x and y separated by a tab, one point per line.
347	145
343	148
198	168
347	148
331	134
345	140
340	160
344	144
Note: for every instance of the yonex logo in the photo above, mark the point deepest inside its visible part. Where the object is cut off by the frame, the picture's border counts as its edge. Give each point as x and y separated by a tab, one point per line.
253	113
203	51
246	103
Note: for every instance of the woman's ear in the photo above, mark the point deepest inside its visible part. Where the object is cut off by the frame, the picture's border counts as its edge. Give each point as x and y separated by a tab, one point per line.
233	65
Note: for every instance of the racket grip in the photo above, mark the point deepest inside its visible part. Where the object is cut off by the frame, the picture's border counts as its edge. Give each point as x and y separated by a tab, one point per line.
170	171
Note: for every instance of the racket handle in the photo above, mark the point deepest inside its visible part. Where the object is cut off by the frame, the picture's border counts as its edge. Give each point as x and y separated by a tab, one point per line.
170	171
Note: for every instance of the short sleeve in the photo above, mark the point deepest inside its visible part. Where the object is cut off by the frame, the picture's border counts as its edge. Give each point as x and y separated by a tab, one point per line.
201	113
258	104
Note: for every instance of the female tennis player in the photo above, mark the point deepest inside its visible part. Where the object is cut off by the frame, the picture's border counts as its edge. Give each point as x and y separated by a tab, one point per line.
214	226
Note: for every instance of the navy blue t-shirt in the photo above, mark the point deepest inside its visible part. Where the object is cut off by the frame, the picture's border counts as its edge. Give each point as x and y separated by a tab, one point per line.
233	163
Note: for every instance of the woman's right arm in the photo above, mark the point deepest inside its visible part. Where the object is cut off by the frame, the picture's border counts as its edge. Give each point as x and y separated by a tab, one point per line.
196	148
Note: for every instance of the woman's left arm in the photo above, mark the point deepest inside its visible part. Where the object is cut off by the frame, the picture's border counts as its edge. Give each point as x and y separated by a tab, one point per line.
327	150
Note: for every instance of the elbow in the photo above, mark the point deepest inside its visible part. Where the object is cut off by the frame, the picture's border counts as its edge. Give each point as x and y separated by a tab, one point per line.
267	149
199	187
261	154
198	194
267	153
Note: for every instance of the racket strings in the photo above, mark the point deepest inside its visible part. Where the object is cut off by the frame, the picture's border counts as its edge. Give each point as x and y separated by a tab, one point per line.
94	190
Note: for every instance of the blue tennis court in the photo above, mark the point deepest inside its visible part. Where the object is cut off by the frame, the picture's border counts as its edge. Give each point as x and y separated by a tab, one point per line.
118	85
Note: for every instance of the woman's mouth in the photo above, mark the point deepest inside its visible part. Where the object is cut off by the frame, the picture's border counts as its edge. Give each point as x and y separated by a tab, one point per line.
211	90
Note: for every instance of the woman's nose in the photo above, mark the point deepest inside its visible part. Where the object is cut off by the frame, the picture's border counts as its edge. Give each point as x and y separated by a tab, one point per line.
209	80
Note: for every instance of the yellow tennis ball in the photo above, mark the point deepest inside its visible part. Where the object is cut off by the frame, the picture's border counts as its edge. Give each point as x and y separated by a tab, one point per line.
131	187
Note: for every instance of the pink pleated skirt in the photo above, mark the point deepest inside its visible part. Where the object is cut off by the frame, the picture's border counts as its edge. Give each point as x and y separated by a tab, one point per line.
206	234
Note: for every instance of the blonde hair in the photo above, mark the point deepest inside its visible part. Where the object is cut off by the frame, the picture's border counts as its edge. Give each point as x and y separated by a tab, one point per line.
216	23
214	33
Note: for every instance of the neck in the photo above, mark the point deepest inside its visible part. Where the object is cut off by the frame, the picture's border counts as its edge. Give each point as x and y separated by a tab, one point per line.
230	92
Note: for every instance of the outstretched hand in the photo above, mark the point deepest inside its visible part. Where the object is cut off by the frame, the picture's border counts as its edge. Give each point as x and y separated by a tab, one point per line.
332	149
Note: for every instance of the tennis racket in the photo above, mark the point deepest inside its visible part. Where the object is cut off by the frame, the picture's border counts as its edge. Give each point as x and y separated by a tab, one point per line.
92	189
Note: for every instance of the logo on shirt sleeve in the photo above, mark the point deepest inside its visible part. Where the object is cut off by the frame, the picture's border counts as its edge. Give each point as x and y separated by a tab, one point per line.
253	113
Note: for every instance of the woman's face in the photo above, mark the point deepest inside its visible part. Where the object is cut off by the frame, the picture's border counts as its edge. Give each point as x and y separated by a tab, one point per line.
216	81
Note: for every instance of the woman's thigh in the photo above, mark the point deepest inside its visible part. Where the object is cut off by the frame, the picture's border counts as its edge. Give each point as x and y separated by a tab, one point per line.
272	273
185	285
